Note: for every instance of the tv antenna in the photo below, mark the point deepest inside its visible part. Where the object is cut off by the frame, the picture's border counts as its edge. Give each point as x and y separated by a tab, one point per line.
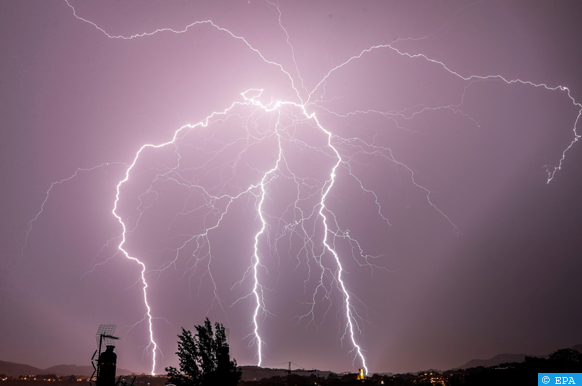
105	338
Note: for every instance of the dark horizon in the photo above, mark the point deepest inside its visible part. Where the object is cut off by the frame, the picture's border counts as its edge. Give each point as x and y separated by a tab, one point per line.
426	154
6	367
474	362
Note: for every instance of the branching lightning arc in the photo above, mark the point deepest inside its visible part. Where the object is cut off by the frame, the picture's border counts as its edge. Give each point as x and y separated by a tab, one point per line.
280	126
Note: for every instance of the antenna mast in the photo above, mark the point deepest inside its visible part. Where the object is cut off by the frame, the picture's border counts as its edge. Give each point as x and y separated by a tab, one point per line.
104	362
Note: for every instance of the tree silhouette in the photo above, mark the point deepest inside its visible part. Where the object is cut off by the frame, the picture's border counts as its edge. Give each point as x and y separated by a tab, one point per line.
566	355
204	358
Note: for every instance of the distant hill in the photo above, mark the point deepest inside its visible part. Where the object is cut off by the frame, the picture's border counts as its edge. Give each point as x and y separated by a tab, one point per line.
17	369
496	360
250	373
62	370
505	358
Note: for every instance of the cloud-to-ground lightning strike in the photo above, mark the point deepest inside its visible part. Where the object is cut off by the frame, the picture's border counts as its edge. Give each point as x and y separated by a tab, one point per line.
309	221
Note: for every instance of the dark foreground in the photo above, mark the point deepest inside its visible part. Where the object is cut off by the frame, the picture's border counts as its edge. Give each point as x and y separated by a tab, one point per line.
523	373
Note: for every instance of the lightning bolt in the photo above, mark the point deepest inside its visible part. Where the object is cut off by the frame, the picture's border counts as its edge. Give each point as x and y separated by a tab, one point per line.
305	222
48	193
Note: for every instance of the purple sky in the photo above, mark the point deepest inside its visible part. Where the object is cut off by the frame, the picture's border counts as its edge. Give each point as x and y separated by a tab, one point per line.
466	250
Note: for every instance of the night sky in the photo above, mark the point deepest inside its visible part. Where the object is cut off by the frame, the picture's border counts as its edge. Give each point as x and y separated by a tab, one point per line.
441	121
